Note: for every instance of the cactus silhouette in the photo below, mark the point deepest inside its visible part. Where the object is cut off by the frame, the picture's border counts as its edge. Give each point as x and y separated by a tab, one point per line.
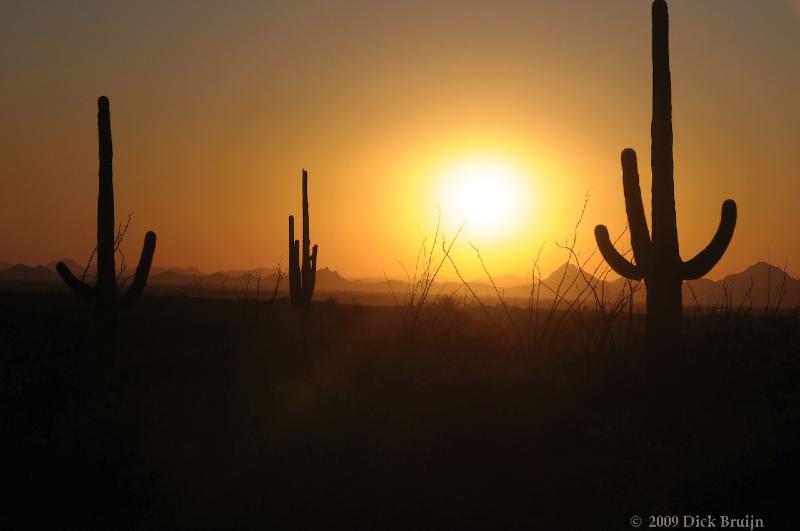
302	276
105	289
656	257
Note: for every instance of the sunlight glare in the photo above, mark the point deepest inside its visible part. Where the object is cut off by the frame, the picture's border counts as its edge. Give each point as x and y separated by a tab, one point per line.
484	195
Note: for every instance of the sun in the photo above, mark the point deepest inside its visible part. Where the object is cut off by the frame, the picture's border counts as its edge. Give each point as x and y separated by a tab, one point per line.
482	194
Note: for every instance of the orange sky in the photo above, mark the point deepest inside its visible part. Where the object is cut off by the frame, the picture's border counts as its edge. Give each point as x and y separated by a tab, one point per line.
216	110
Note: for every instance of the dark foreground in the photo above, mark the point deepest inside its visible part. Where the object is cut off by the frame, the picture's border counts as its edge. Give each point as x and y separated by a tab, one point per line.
215	414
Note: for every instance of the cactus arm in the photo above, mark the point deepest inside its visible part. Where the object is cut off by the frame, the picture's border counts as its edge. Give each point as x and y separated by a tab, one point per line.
617	262
298	279
640	234
142	271
294	262
106	268
314	259
310	280
706	259
79	287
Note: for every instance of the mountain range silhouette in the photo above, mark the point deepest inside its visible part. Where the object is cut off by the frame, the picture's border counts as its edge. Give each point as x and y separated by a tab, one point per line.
757	286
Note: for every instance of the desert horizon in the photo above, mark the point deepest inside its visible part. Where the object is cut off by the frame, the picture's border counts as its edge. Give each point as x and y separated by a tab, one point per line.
759	285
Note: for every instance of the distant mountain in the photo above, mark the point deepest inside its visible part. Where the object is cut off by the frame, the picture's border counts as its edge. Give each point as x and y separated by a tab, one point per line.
78	268
331	280
21	272
757	286
761	284
702	291
505	281
181	270
173	278
570	277
568	281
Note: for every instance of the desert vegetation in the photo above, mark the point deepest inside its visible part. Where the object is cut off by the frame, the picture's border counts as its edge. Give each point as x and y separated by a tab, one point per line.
215	414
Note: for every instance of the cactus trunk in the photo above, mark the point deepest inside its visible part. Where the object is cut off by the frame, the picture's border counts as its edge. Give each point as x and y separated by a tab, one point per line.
664	307
656	256
664	283
302	271
106	266
105	291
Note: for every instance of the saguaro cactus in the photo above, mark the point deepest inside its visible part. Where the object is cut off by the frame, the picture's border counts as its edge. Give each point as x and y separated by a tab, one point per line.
105	289
656	257
302	277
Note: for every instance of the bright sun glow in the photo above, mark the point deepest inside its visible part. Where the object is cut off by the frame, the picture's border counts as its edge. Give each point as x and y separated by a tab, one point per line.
484	194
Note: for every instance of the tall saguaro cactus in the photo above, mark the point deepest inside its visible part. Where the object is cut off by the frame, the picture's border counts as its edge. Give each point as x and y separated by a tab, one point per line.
656	256
302	276
105	290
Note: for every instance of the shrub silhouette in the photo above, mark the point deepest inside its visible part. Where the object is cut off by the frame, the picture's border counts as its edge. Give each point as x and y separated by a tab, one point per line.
105	290
302	277
656	258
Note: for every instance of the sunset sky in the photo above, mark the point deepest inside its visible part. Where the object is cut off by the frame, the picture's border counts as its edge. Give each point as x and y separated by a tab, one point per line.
394	108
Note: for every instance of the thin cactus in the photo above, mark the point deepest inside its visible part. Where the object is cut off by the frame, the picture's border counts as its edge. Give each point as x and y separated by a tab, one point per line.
656	258
302	275
105	289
